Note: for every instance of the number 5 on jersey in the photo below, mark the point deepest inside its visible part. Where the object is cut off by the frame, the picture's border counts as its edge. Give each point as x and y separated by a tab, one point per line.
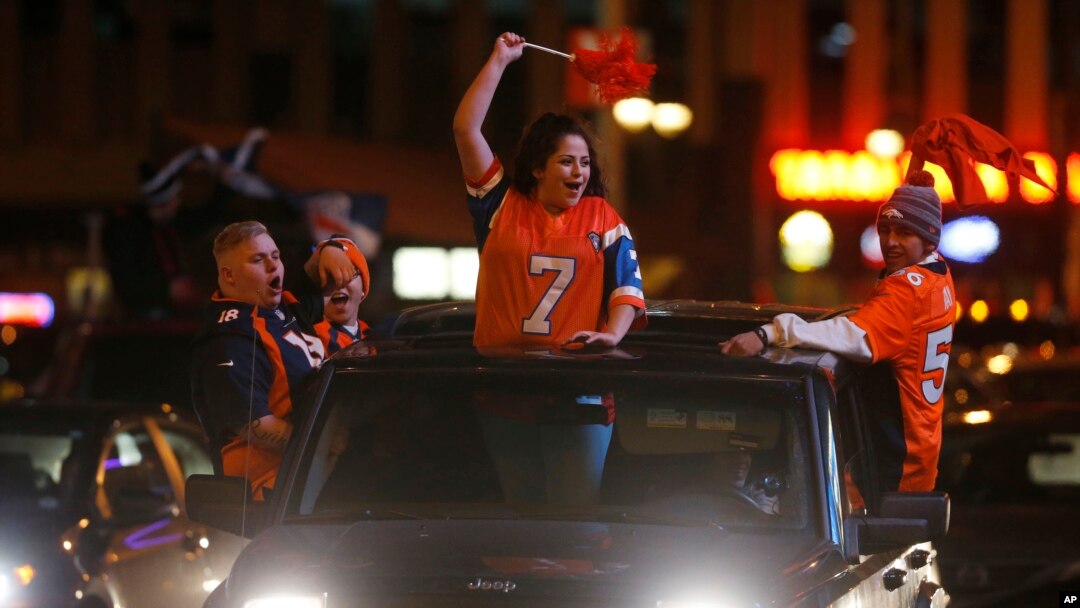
538	322
936	359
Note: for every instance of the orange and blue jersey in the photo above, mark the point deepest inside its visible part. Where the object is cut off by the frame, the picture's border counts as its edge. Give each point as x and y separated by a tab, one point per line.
908	321
249	362
543	278
335	336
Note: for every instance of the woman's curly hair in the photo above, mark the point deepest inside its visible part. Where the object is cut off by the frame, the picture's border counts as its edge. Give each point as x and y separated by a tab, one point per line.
540	141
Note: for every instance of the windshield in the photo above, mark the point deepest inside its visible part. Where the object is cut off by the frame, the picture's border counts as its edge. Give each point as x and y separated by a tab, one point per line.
603	446
38	462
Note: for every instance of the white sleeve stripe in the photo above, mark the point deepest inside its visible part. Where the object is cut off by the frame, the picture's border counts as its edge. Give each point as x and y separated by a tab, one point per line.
486	187
613	235
627	291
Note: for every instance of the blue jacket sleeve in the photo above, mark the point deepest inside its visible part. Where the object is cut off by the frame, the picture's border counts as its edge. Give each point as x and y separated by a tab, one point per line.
235	375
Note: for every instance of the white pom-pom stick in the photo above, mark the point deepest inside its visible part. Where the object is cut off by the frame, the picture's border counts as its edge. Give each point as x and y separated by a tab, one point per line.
547	50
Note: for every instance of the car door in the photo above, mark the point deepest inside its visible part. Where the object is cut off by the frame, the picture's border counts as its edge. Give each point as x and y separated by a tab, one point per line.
148	560
907	577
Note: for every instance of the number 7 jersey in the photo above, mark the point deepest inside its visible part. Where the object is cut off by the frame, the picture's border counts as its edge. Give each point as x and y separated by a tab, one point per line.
543	278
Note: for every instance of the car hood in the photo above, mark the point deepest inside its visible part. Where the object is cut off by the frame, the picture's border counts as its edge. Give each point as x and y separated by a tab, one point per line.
535	558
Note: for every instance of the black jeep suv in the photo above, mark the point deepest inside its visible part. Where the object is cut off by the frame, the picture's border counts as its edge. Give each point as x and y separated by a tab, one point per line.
661	473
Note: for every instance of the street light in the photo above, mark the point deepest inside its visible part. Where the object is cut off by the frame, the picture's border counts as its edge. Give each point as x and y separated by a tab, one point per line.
633	114
884	143
671	119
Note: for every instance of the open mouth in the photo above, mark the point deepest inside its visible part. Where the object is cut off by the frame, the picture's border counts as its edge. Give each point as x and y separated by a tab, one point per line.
574	187
275	283
339	298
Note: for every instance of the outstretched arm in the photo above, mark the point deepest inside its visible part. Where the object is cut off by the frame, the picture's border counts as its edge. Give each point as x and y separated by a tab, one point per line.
839	335
619	320
473	149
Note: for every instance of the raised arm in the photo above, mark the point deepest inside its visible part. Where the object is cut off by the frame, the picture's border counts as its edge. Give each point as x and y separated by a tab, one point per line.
329	267
473	149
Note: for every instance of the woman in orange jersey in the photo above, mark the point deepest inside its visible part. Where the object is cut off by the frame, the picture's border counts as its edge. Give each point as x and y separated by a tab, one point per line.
557	263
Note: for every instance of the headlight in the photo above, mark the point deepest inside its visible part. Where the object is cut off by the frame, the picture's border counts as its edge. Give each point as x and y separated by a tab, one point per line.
286	601
24	574
19	576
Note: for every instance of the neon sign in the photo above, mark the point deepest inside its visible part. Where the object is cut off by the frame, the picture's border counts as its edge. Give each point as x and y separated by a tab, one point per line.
29	309
836	175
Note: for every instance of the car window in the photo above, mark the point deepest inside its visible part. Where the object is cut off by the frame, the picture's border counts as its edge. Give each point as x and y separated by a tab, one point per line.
689	451
135	482
190	452
47	458
1056	461
30	468
852	454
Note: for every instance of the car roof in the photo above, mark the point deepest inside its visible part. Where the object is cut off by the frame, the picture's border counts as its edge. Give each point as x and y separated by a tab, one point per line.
679	333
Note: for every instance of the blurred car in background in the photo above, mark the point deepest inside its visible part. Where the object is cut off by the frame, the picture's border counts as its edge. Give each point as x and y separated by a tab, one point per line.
91	508
1013	471
968	386
980	381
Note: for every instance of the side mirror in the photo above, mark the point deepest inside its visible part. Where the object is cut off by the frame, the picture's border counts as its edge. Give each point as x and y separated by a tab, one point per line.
224	503
934	507
904	519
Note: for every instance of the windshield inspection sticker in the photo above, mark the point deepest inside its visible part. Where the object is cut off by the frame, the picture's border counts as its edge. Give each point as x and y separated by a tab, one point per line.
708	420
665	418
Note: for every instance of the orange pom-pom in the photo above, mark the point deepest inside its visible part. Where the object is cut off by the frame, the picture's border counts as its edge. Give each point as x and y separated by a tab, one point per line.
921	178
613	69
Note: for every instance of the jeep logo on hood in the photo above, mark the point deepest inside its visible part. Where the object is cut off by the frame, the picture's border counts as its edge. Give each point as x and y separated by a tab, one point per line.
482	584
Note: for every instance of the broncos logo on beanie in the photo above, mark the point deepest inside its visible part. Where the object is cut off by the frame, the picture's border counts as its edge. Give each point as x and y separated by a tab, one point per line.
915	205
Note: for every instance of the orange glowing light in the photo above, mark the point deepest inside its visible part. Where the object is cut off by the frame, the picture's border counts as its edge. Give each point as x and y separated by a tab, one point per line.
979	311
25	573
836	175
941	183
1018	310
1072	172
1047	170
833	175
995	182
